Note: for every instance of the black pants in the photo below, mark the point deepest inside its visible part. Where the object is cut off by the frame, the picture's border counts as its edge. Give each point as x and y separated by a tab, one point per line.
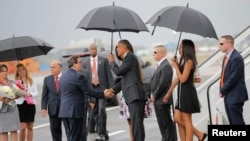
165	122
136	110
56	128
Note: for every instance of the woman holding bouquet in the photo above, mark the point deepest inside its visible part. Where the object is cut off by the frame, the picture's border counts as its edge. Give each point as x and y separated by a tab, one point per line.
26	103
9	117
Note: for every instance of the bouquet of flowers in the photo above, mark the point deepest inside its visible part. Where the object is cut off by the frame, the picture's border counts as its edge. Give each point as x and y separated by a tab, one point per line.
7	91
18	89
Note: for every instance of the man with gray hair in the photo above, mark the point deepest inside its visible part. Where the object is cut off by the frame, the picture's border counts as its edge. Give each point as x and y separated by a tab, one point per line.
50	100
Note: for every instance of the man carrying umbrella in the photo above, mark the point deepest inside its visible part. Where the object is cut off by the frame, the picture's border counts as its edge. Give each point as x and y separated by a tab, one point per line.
131	85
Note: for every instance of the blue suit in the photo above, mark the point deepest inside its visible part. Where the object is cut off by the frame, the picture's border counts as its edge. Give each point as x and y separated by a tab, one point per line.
234	89
73	87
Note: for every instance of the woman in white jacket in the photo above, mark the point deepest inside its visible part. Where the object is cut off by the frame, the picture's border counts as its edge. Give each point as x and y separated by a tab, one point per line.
26	104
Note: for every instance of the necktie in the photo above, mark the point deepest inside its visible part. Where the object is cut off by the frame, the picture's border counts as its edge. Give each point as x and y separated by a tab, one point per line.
223	70
57	83
94	73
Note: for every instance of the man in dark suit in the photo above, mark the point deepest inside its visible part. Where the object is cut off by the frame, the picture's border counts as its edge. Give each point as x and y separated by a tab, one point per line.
74	87
160	83
131	85
232	87
50	100
97	111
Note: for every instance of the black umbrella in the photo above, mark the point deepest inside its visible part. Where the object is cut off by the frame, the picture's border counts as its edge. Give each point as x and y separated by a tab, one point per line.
183	19
19	48
112	19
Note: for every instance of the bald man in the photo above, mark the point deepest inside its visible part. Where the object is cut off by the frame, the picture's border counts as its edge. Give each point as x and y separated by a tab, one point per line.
50	100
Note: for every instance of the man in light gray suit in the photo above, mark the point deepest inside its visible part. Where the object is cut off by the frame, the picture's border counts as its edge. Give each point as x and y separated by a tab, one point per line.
131	85
102	80
160	83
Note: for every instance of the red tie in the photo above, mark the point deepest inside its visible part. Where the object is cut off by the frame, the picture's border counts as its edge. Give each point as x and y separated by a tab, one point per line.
223	70
57	83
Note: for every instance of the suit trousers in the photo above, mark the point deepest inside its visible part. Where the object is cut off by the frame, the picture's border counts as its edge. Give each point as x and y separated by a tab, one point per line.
136	109
93	118
55	128
73	128
165	122
98	116
102	117
234	113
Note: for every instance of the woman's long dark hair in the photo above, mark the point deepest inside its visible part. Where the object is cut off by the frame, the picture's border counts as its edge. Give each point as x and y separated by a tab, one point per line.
188	51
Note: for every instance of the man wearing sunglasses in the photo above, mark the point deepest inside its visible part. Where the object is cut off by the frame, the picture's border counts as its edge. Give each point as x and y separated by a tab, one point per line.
232	84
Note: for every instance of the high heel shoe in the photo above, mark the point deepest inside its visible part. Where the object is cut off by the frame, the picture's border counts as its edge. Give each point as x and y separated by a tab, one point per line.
204	136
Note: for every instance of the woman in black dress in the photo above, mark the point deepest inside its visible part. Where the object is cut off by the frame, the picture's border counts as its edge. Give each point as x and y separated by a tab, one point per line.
187	100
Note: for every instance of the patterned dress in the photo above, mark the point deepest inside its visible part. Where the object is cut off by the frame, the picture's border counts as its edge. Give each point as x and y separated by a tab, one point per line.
124	112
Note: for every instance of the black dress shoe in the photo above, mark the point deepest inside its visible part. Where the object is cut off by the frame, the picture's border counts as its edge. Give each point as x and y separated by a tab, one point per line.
107	137
100	138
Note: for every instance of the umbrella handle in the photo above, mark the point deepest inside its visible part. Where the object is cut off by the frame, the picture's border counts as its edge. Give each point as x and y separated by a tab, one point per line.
175	56
111	42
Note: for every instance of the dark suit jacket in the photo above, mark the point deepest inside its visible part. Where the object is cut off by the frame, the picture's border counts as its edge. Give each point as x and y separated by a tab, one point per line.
104	73
73	87
50	97
234	88
161	81
131	84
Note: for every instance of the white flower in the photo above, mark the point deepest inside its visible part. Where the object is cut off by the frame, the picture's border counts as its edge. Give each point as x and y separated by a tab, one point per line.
6	91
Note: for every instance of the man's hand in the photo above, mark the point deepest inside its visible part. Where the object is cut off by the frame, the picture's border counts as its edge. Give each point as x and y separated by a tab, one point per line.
166	97
44	112
111	57
91	105
108	93
222	96
152	98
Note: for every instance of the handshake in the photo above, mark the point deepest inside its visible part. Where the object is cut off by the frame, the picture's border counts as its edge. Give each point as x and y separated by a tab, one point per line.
109	93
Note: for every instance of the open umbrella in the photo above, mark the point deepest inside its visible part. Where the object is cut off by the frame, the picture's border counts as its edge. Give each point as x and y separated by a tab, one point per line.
183	19
19	48
112	19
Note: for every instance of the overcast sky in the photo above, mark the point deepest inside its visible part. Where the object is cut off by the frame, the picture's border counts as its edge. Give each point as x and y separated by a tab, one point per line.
55	20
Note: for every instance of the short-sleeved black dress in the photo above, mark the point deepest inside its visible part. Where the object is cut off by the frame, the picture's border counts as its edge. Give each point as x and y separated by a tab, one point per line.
187	99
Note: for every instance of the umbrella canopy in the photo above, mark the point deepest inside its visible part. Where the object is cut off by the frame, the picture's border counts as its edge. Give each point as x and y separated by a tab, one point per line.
19	48
112	19
183	19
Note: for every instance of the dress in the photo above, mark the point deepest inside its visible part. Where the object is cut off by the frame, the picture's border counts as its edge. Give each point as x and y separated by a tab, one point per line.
124	112
9	119
187	99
